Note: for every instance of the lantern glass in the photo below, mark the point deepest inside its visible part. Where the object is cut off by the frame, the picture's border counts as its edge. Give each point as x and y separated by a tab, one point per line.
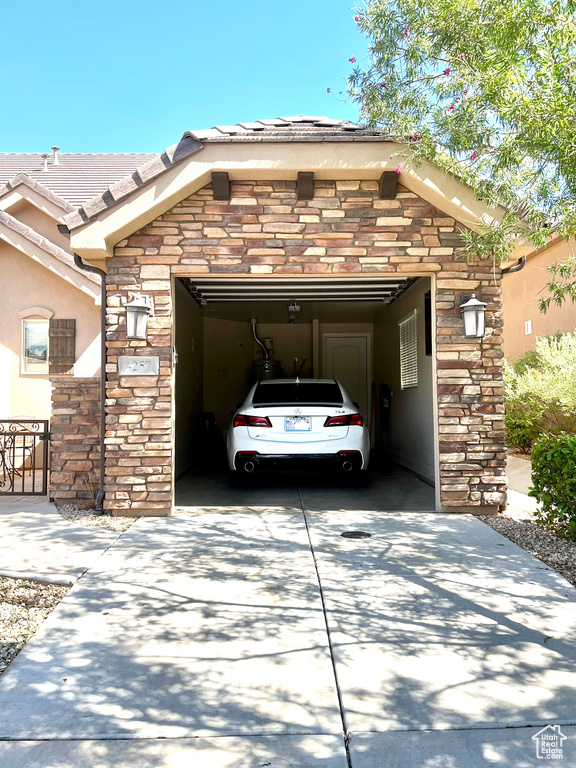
474	313
137	312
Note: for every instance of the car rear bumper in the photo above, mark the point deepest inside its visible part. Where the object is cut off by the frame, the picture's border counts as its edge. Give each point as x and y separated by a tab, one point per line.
344	461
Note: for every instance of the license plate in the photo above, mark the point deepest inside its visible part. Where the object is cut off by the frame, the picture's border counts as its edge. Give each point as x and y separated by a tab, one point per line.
297	424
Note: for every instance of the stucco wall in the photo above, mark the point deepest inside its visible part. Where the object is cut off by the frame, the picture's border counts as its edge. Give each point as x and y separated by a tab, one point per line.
290	341
29	284
227	367
345	229
521	292
40	222
411	427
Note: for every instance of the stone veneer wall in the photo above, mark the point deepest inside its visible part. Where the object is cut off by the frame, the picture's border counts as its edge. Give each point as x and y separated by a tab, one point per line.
265	229
74	440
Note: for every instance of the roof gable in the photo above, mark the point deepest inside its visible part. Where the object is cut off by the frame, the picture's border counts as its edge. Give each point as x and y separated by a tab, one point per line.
29	242
264	149
23	187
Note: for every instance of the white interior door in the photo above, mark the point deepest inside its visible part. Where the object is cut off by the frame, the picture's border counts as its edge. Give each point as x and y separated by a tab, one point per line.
347	358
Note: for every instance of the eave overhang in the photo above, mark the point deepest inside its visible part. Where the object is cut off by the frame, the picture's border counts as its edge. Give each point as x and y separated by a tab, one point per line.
28	242
336	159
22	187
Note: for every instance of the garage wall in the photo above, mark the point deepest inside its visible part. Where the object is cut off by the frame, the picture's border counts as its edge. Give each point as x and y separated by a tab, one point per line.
340	328
188	338
290	341
227	367
411	429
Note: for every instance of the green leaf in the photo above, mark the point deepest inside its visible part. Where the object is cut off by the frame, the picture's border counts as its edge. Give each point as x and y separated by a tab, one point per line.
490	91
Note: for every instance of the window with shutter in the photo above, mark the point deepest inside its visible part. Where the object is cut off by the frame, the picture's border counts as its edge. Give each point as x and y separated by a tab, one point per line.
35	345
62	346
408	351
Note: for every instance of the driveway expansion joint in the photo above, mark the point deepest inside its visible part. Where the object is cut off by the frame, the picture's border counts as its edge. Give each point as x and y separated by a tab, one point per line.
329	639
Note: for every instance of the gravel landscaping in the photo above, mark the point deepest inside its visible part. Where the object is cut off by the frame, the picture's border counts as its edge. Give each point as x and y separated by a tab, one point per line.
25	604
77	513
23	607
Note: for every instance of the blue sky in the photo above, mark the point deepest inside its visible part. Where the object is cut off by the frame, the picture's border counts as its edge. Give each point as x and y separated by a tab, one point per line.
133	76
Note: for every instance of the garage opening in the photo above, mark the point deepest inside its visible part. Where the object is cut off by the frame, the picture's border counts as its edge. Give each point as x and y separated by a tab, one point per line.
372	334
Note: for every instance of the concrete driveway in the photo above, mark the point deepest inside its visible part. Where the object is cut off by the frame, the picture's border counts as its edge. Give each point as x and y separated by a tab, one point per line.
36	542
260	636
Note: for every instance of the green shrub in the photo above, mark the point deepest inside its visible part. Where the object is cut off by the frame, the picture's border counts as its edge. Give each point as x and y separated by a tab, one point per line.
528	360
522	422
554	483
541	391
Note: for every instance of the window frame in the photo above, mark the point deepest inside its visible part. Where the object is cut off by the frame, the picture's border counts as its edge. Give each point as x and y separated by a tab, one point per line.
408	338
23	356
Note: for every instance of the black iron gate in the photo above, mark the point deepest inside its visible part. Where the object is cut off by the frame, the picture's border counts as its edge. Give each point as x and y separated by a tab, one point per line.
24	457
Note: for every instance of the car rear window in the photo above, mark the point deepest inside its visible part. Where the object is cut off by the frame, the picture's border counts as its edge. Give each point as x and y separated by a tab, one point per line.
322	393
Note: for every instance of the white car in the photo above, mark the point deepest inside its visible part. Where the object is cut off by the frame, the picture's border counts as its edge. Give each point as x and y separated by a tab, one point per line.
298	424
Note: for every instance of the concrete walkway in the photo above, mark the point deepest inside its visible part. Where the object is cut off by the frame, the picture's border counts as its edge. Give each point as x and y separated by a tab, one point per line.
263	637
38	543
519	474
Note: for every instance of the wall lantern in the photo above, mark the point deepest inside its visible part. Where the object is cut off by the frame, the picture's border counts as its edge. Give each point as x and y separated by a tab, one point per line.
137	312
473	313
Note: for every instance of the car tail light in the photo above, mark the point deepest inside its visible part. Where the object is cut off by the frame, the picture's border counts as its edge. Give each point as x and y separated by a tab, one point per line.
336	421
352	420
251	421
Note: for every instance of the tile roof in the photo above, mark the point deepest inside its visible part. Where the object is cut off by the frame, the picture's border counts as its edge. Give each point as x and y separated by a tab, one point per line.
78	177
46	245
299	128
27	181
294	129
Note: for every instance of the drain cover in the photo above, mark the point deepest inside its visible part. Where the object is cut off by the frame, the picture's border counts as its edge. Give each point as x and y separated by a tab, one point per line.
356	535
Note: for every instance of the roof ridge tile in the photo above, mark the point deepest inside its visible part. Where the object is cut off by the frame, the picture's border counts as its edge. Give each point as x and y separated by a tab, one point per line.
298	128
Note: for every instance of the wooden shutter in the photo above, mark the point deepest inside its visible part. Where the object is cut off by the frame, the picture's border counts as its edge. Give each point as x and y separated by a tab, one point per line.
61	346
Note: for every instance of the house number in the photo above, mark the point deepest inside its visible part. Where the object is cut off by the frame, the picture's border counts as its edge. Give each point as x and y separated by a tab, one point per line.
139	366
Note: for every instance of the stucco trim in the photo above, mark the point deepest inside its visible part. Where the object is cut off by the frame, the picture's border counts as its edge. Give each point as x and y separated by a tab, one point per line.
28	242
532	252
44	312
330	160
23	187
